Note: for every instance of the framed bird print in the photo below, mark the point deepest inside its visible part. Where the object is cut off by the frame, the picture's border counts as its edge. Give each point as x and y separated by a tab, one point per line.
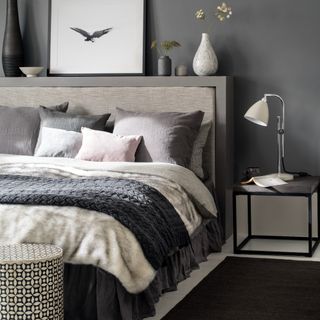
97	37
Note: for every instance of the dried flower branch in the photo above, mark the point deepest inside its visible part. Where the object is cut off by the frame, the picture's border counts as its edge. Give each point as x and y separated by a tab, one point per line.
200	15
222	13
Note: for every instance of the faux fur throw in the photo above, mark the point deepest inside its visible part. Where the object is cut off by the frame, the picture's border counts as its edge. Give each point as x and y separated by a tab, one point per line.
139	207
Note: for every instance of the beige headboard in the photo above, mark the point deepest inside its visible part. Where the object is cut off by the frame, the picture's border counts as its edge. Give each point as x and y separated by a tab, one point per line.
99	99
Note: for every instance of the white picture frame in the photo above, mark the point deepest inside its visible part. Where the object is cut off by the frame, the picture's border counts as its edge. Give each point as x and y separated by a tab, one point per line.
97	37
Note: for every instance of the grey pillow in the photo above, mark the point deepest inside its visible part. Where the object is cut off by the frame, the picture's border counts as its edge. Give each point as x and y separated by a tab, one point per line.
63	107
167	136
59	143
19	128
197	150
71	122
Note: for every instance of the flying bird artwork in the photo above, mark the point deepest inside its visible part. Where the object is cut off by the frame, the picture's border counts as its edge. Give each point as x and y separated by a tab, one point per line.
93	36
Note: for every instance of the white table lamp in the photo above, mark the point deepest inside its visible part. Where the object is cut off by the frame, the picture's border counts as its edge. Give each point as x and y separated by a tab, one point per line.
259	114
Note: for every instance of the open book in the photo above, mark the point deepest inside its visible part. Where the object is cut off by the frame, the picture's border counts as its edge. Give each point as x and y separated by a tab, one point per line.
270	180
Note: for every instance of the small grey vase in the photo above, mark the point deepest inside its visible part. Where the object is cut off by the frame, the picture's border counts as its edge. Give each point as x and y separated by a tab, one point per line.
164	66
205	62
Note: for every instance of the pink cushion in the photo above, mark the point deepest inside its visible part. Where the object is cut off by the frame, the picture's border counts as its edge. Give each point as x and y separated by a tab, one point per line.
103	146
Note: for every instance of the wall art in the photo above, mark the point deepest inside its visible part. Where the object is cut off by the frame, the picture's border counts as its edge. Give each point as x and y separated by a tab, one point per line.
97	37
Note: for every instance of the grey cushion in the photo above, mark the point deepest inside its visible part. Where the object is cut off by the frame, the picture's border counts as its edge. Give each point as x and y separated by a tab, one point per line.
167	136
19	128
71	122
59	143
63	107
197	151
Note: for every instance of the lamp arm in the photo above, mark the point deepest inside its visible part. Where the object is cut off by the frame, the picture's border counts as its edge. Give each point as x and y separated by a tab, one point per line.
282	122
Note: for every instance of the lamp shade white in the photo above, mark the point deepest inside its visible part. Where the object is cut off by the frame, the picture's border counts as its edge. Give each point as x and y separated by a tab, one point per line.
259	113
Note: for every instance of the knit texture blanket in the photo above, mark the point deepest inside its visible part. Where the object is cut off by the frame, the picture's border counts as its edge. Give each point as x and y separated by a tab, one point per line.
137	206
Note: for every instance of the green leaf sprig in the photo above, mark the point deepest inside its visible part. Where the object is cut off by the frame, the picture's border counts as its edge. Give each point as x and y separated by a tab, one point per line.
165	46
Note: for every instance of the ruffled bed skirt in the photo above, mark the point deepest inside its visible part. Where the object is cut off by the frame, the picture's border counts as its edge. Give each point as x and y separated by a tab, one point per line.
93	294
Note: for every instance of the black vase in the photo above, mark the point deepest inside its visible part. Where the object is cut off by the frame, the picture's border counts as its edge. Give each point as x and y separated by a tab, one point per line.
164	66
12	50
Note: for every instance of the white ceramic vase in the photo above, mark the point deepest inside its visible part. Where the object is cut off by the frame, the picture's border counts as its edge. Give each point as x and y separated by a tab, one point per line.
205	62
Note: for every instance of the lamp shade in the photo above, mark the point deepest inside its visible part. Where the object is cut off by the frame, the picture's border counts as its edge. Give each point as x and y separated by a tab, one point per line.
258	113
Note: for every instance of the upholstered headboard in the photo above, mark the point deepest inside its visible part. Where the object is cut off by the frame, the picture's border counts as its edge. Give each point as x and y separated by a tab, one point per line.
103	95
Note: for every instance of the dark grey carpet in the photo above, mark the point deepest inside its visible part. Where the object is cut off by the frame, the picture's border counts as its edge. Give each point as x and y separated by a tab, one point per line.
254	289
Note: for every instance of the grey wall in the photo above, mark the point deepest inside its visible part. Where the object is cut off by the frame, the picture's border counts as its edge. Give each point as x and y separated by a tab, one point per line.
269	46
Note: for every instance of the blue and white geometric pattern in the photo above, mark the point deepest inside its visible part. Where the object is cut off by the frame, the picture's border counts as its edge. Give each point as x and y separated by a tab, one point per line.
31	282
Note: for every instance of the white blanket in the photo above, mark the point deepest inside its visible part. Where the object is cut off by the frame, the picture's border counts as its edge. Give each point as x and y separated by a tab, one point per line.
89	237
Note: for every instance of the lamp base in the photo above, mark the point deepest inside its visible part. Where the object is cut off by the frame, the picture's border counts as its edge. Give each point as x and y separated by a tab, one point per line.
284	176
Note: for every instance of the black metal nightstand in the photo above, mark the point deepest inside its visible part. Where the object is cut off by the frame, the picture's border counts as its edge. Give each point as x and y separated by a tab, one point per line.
300	187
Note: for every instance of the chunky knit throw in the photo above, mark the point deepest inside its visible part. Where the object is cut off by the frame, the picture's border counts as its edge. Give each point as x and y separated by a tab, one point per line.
139	207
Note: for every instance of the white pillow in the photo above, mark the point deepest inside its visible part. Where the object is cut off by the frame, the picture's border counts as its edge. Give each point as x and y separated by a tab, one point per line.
59	143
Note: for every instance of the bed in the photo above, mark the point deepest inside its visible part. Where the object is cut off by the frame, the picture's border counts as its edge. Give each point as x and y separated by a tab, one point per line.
116	268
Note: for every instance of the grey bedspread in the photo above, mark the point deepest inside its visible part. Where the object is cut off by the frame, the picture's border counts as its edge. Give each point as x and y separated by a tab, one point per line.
139	207
89	237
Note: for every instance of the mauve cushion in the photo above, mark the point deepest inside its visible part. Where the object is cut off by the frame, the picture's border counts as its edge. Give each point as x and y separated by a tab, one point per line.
166	136
19	128
59	143
104	146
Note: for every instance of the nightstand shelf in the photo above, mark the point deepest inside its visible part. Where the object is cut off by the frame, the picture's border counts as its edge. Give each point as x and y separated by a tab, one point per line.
300	187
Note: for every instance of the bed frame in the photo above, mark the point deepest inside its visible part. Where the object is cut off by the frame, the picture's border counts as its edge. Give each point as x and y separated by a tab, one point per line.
97	95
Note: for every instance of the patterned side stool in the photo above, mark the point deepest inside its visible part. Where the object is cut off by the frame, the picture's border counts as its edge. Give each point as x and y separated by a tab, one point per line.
31	282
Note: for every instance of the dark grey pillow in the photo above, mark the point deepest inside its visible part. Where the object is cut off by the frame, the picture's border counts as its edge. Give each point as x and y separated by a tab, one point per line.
19	128
63	107
167	136
71	122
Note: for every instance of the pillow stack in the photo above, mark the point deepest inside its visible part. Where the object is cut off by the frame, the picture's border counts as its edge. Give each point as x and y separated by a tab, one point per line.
170	137
60	133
